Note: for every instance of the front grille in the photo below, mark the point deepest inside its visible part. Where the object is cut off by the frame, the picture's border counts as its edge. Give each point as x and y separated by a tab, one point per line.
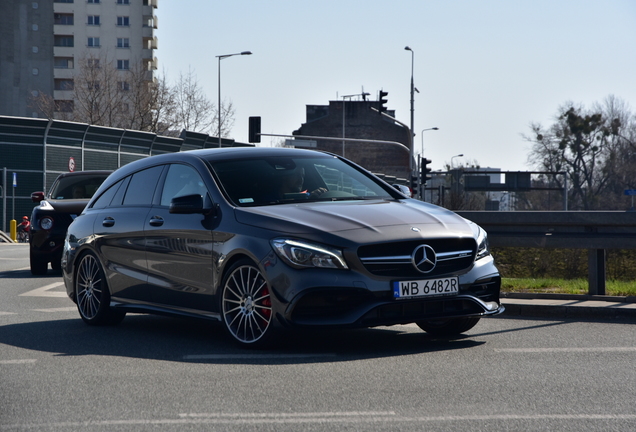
413	311
454	255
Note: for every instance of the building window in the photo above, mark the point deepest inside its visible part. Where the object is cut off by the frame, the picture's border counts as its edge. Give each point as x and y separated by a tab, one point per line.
93	85
123	2
123	64
64	105
62	1
64	84
93	42
63	41
124	85
62	19
93	1
93	63
93	20
123	43
123	21
63	63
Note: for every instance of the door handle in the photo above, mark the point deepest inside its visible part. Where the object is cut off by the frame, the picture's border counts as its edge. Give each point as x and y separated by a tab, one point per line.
108	222
156	221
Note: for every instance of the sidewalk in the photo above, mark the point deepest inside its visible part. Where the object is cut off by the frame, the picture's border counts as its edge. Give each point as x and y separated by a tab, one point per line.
580	307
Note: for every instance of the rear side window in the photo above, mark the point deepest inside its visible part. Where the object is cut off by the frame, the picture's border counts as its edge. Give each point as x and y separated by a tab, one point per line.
142	187
104	200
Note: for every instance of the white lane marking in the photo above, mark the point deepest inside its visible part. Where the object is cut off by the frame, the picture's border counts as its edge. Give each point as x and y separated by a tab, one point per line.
8	313
566	350
253	356
353	417
62	309
287	415
21	361
44	291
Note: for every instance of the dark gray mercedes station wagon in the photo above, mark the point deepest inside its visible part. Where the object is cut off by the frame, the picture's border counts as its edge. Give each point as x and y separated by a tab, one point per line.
264	239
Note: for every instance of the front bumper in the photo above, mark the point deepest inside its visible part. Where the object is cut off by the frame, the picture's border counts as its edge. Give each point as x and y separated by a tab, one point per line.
358	307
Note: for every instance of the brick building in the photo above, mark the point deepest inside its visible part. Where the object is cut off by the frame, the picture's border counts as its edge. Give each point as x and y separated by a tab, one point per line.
360	122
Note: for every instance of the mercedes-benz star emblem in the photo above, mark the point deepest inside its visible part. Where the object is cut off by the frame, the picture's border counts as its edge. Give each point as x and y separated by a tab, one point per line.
424	258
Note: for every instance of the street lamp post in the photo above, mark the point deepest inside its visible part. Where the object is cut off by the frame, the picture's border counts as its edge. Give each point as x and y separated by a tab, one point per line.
412	100
419	161
422	133
221	57
456	156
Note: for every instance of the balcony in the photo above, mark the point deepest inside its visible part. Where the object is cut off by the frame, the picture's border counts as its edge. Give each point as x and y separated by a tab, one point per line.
151	21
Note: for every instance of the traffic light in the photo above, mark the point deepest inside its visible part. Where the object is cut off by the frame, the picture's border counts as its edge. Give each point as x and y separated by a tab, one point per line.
414	185
425	170
383	101
254	130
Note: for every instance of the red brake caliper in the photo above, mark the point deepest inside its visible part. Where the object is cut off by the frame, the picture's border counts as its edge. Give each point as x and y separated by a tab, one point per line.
267	302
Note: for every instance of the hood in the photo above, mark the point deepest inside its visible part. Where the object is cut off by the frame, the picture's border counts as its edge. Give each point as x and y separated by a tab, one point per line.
71	206
377	217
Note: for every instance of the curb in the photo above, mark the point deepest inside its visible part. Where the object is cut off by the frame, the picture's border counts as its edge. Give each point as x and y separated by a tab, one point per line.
575	307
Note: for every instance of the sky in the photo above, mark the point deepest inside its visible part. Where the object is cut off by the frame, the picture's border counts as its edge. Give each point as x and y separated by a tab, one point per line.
484	69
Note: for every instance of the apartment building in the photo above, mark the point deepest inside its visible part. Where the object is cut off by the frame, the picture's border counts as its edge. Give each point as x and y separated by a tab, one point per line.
42	44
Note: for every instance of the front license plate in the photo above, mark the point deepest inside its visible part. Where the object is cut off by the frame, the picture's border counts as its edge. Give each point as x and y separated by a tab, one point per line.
425	288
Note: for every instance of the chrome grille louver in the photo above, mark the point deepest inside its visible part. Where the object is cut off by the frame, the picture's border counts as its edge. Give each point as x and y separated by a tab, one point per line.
454	255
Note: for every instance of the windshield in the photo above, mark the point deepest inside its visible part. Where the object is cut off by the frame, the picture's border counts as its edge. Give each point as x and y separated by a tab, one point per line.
277	180
77	187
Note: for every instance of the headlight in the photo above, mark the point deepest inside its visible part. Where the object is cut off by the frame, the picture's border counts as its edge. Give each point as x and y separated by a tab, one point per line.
301	254
483	250
46	223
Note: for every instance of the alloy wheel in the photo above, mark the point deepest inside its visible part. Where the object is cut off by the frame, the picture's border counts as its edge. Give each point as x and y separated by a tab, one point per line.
89	287
246	304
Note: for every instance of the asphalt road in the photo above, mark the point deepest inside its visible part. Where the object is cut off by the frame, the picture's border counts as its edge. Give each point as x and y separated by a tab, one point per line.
165	374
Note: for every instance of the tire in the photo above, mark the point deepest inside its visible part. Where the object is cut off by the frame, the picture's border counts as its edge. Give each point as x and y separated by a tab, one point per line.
246	306
38	266
448	327
92	294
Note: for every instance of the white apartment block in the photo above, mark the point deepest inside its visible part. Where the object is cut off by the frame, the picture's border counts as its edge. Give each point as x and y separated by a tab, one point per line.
43	41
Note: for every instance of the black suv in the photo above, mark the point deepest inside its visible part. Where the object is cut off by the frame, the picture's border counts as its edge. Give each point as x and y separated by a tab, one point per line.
50	219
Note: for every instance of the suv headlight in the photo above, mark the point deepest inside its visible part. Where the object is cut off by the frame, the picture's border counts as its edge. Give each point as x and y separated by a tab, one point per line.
301	254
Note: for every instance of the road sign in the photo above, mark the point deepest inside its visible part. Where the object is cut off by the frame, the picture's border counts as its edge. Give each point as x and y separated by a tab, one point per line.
630	192
15	180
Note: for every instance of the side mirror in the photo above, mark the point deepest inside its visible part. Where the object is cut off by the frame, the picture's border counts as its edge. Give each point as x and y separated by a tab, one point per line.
404	189
189	204
36	197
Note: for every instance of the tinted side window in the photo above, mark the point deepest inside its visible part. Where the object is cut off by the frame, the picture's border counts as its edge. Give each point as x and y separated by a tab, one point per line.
104	200
182	180
142	187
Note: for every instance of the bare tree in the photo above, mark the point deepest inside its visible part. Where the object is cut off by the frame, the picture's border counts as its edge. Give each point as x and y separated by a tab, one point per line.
193	110
97	95
129	97
590	145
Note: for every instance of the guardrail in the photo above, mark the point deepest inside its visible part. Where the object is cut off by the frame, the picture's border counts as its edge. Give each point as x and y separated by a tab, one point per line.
595	231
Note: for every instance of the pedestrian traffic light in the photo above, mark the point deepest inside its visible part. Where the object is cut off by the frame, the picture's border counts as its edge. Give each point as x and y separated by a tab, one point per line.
383	101
414	185
254	132
425	170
